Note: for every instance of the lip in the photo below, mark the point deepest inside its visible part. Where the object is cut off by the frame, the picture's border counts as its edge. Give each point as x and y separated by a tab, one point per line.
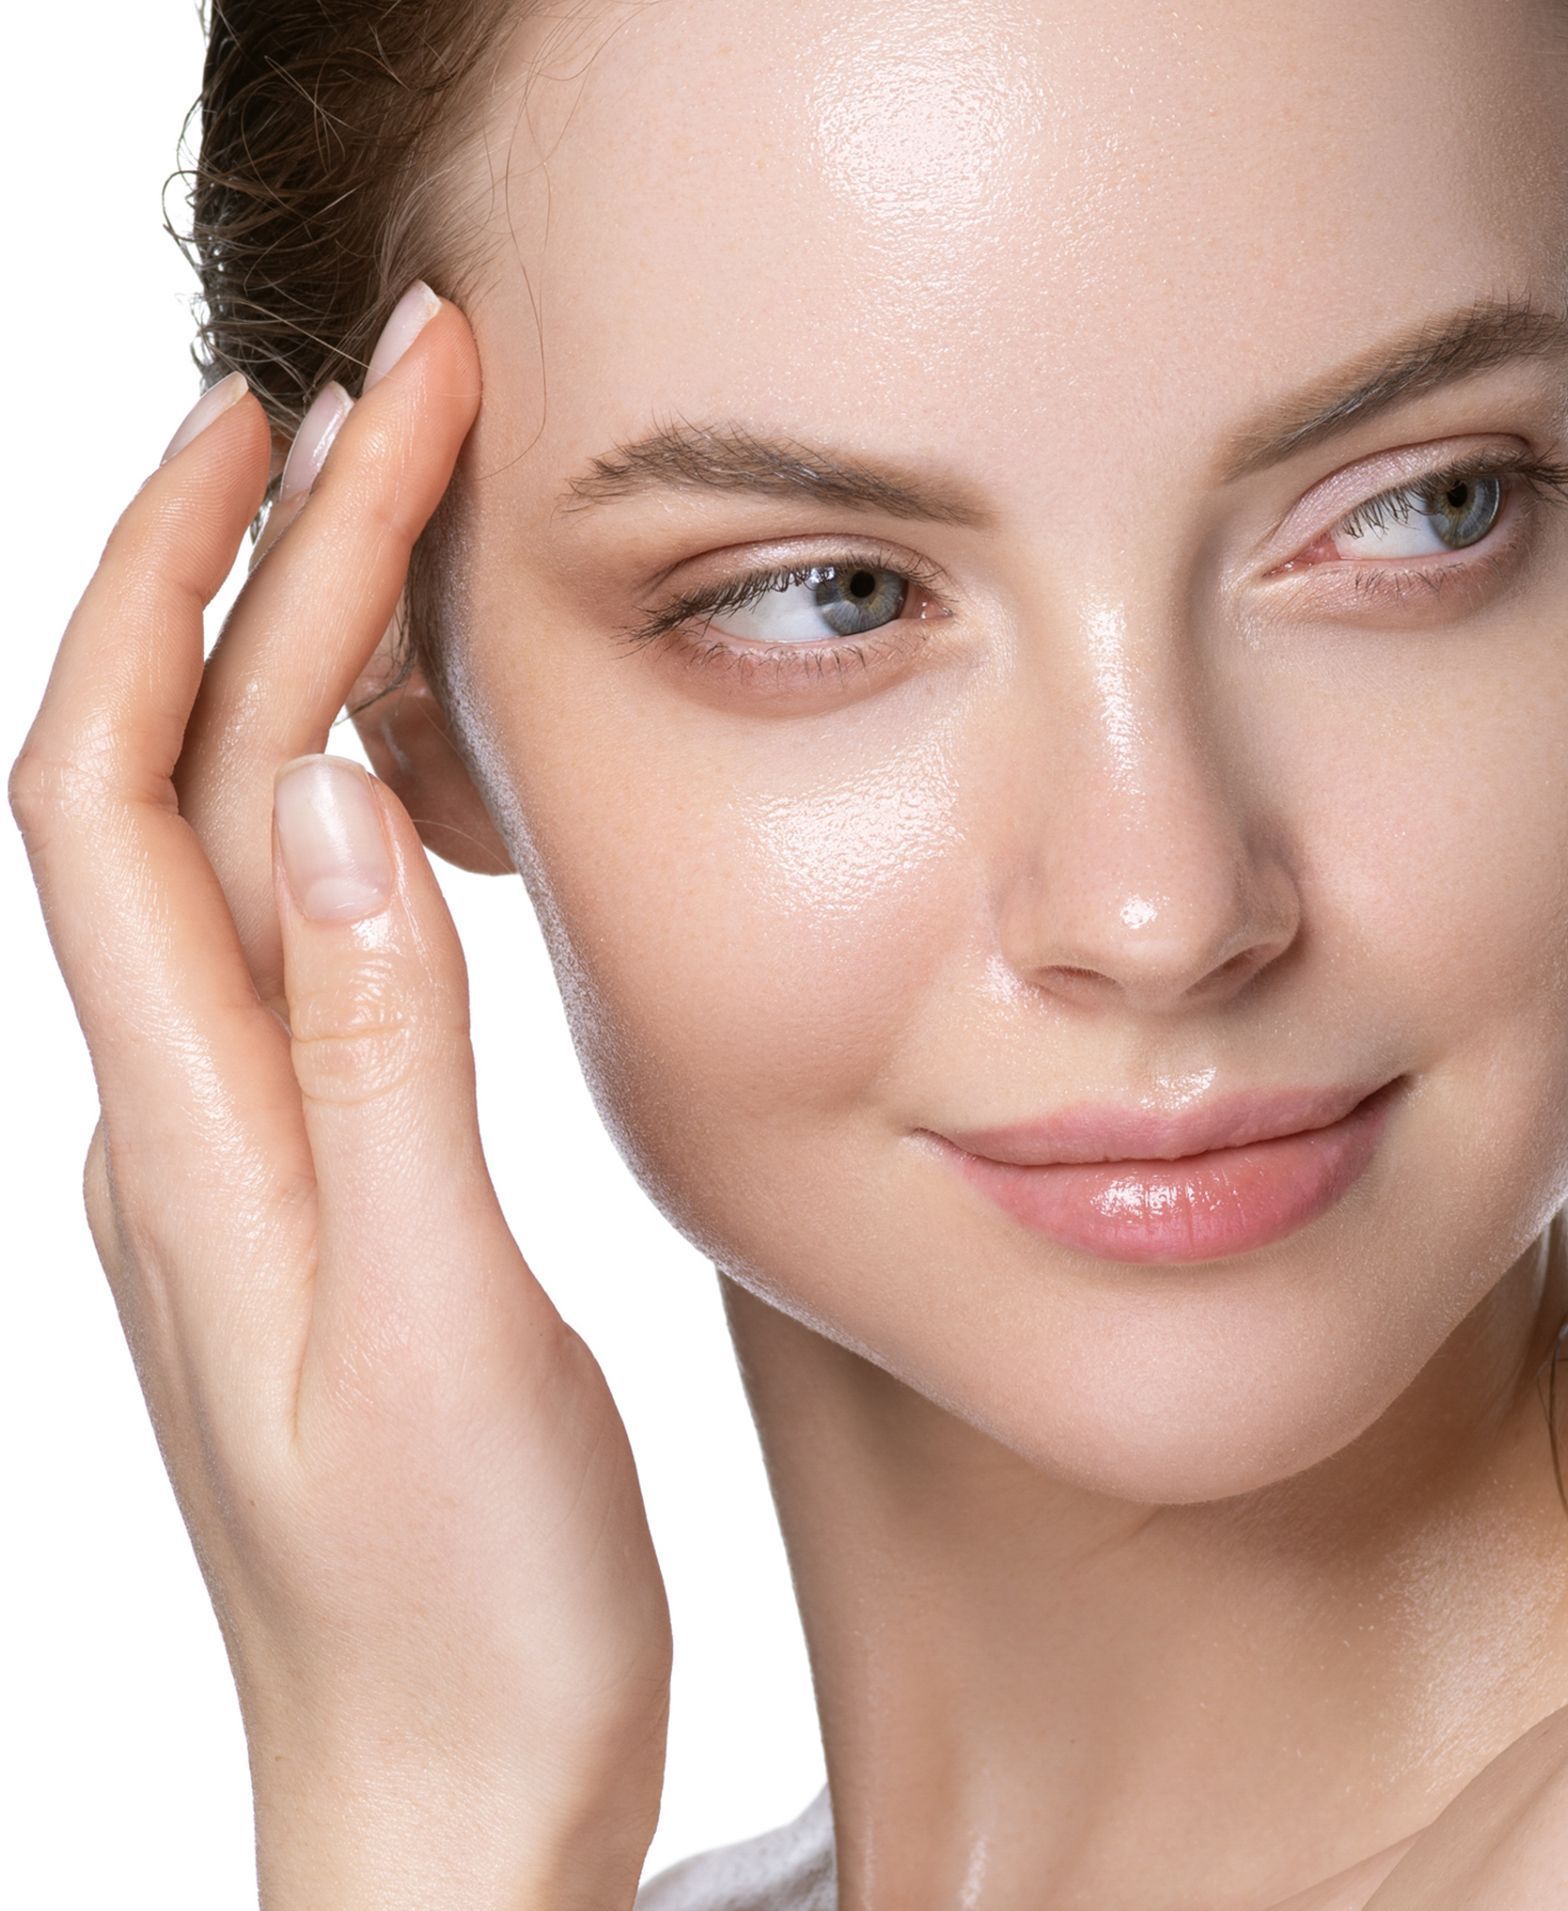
1090	1131
1130	1186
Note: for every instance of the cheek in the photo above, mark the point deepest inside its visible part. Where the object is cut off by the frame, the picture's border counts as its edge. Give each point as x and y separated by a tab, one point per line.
1478	912
748	934
1429	839
1430	819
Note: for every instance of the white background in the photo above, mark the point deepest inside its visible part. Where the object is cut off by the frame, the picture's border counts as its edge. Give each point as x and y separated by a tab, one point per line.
129	1785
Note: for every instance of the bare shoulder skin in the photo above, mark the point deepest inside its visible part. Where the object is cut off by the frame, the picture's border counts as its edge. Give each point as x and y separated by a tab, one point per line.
790	1868
1502	1844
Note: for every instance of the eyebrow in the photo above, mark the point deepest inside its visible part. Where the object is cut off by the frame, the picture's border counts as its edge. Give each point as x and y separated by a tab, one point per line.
1437	351
729	456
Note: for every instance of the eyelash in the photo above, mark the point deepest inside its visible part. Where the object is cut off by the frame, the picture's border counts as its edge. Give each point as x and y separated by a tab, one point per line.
748	587
1546	481
1389	581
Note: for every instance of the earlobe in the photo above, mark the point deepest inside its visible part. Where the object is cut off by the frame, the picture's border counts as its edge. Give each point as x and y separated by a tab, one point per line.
410	748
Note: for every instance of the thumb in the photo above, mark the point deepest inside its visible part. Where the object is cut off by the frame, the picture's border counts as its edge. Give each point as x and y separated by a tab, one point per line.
414	1255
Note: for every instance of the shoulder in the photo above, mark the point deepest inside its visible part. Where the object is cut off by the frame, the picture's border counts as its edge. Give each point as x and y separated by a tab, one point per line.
787	1869
1502	1843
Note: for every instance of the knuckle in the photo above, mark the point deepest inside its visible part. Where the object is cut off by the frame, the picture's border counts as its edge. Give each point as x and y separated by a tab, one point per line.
44	788
355	1041
36	789
127	547
98	1196
394	518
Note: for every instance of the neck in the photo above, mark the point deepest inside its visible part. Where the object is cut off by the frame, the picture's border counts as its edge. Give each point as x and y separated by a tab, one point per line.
1031	1693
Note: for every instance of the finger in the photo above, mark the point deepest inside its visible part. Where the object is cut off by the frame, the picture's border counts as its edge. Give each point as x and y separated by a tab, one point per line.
127	669
308	453
313	612
92	784
418	1275
200	1112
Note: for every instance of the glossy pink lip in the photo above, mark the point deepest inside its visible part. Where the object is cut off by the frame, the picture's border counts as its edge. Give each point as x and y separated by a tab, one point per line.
1070	1178
1093	1132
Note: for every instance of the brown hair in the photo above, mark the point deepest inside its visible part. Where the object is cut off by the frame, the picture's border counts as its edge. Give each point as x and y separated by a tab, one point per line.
316	196
1556	1249
1551	1363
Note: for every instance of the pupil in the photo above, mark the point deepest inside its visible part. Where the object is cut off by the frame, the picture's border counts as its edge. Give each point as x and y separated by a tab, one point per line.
1456	495
862	583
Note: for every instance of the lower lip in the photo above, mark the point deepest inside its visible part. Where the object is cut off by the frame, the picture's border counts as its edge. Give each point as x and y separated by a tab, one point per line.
1198	1208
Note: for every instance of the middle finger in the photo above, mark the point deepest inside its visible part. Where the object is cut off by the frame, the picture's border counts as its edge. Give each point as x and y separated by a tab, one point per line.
308	619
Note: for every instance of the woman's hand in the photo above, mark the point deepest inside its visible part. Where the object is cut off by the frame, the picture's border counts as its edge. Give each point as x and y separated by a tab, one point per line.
407	1484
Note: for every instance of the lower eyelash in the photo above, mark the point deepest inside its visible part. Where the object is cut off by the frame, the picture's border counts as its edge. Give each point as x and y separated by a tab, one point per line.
818	660
1394	583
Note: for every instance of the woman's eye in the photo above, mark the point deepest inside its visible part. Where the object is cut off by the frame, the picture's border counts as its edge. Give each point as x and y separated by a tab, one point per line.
1421	520
1480	512
823	621
817	603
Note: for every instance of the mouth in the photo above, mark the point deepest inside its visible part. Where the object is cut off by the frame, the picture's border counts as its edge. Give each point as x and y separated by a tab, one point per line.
1182	1206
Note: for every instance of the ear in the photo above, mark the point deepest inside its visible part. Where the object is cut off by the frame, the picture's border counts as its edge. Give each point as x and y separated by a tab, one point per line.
411	749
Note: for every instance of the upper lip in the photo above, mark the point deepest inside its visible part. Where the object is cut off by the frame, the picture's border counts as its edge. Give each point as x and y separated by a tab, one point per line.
1089	1131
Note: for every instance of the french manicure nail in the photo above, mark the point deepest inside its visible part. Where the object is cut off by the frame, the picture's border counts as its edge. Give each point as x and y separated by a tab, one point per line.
334	854
212	404
412	313
278	519
313	440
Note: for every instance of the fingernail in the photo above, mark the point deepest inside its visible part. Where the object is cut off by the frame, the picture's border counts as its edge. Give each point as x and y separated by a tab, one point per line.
278	519
412	313
313	440
334	854
213	403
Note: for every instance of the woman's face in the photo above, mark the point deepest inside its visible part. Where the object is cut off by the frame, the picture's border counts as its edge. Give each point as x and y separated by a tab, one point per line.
1100	769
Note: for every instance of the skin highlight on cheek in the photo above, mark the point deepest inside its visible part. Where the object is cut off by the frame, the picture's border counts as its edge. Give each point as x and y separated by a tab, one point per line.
835	861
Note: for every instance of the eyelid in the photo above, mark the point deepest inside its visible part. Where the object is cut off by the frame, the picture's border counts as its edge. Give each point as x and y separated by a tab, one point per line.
749	581
1522	470
1343	492
784	671
1474	572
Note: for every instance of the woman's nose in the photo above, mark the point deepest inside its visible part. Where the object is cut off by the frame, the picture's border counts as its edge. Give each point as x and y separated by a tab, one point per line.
1140	858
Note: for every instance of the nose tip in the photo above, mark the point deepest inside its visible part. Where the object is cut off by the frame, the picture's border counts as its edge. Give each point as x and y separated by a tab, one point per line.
1178	905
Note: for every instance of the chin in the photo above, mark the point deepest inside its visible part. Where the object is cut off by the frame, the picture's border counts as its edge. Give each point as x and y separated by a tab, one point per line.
1169	1449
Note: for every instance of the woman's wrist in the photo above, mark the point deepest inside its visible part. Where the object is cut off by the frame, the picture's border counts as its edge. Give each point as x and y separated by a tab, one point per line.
412	1834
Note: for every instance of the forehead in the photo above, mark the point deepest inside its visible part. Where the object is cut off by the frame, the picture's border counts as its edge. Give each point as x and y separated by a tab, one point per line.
932	222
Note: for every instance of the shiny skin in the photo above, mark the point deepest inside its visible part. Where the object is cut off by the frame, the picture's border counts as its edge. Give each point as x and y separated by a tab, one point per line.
1161	1586
1234	1585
